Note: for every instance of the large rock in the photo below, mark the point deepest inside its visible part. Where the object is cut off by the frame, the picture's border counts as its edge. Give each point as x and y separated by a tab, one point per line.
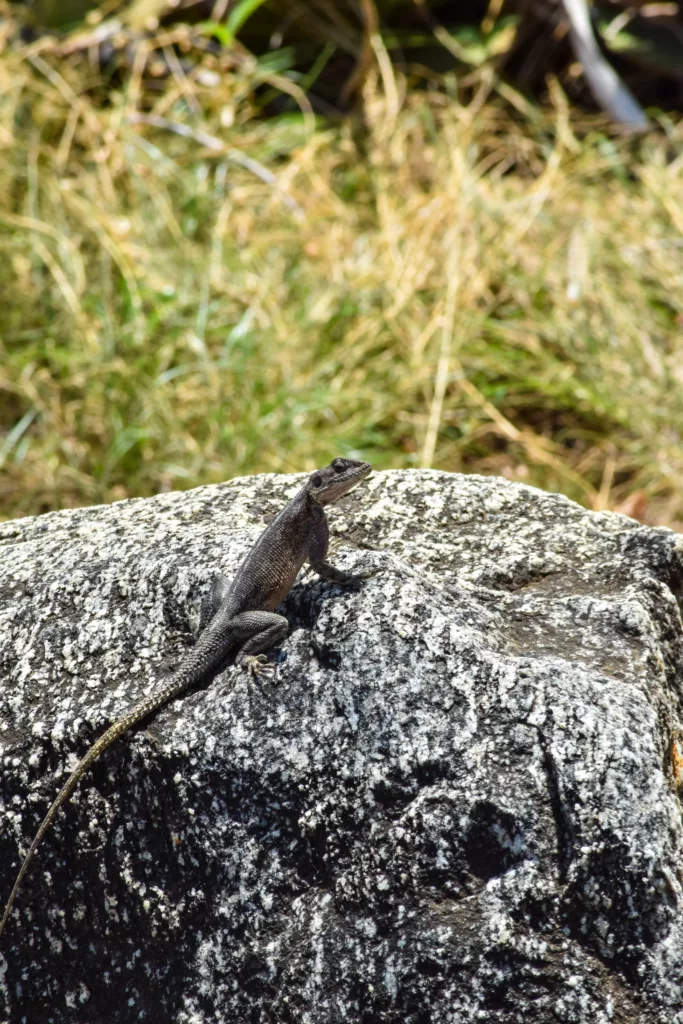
457	803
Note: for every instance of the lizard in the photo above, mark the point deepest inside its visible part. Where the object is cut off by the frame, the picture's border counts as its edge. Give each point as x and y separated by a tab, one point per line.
238	614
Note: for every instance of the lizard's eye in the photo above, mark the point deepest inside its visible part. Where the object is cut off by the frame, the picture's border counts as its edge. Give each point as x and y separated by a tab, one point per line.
337	465
317	480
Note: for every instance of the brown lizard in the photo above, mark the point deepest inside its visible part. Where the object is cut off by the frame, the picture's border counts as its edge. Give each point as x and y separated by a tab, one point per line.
240	614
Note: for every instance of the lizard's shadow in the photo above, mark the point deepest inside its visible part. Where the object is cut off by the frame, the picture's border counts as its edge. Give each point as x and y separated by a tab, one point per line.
306	600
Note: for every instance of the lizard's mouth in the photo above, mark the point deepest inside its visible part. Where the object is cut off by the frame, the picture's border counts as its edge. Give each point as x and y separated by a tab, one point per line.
345	482
356	476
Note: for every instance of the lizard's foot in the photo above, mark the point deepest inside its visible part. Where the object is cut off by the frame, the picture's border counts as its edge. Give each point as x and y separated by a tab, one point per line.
258	667
351	578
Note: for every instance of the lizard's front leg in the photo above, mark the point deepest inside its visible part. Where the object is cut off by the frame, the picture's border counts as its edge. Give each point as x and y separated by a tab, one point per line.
330	572
317	558
259	631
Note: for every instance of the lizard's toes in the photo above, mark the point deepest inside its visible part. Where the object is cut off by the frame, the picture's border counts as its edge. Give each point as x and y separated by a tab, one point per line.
357	578
258	667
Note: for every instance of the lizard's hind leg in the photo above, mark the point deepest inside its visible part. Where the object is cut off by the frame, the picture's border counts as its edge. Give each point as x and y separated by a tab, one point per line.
260	631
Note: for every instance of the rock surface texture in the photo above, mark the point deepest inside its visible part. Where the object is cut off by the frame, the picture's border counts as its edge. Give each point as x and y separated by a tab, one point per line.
456	803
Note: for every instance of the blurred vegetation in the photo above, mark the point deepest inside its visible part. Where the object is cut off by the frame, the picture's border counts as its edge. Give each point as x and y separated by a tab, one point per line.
225	256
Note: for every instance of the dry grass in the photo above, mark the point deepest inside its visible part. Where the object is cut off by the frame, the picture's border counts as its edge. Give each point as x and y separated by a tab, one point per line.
447	286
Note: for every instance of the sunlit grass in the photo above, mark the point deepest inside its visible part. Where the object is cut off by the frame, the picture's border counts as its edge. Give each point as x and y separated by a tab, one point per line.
475	293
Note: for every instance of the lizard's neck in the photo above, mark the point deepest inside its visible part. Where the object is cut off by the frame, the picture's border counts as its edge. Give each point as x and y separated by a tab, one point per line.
314	511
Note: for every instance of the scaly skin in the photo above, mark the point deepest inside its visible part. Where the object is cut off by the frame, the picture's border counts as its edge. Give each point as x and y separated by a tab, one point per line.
241	614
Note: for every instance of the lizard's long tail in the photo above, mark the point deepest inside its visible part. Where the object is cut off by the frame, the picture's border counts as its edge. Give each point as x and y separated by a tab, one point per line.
201	660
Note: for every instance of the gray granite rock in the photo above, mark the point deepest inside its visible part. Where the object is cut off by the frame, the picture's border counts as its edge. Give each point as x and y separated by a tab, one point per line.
456	804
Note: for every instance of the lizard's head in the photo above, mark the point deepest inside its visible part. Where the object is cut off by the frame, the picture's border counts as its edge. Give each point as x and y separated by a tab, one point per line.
334	481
